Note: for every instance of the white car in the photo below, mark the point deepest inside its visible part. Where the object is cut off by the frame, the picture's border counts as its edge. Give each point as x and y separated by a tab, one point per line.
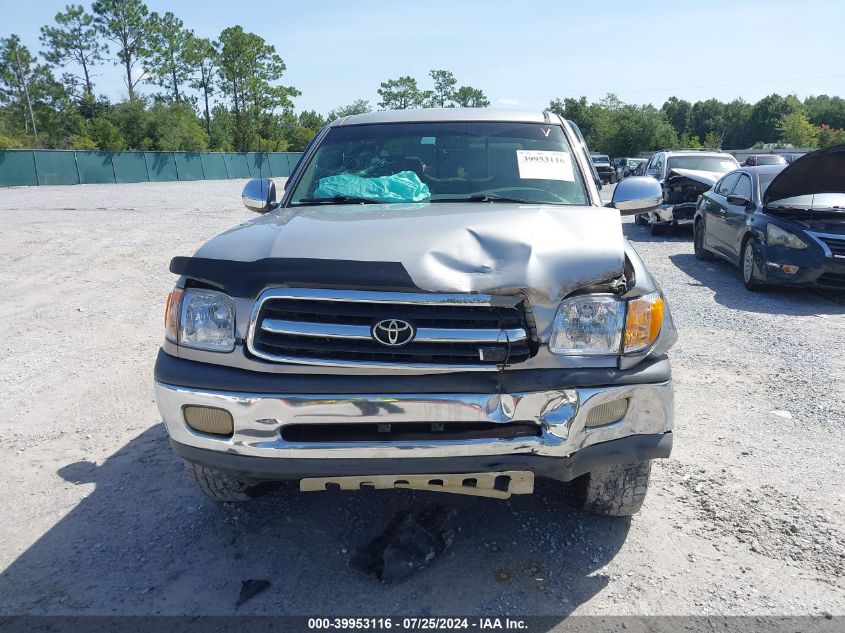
684	175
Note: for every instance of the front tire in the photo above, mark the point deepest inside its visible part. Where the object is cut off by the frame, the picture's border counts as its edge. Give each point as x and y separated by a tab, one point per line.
657	228
748	265
641	219
617	490
217	485
698	242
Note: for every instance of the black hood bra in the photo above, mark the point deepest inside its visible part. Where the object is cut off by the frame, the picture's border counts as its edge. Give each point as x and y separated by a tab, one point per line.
822	171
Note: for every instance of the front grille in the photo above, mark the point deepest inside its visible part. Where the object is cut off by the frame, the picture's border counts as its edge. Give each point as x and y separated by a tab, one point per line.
335	327
835	244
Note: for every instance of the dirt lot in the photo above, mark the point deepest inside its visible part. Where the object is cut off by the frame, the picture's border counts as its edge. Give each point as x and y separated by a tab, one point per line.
747	517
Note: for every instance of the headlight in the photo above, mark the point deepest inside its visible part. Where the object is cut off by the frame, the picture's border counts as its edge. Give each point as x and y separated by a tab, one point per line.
590	324
207	320
603	324
777	236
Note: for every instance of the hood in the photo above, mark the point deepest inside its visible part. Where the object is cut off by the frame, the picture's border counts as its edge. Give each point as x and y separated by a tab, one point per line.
708	178
542	251
817	179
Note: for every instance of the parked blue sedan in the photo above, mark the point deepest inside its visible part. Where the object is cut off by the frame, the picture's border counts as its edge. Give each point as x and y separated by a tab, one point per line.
779	224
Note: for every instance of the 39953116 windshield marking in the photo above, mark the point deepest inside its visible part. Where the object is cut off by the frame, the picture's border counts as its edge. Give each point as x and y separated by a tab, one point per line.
544	165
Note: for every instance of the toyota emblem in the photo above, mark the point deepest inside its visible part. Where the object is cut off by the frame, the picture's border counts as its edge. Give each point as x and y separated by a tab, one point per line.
393	332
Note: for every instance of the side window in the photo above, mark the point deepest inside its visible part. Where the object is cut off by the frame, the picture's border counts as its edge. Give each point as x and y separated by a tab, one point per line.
743	187
656	164
727	183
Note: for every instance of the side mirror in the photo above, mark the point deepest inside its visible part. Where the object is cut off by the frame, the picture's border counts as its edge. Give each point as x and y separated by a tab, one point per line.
636	194
740	201
259	195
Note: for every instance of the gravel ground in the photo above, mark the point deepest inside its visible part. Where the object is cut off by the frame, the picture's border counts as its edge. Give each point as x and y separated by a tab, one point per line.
745	518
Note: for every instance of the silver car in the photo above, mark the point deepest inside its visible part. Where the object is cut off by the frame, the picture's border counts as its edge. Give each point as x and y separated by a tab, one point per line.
438	300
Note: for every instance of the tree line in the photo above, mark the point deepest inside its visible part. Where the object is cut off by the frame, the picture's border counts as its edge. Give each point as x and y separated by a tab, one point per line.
619	129
223	94
227	94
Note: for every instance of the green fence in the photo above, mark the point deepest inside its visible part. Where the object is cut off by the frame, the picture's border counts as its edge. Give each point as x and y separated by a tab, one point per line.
21	167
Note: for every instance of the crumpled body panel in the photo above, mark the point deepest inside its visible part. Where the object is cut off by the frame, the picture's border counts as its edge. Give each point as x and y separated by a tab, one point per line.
542	251
708	178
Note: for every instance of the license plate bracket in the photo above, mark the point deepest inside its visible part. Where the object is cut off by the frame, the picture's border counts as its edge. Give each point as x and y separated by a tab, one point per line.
494	485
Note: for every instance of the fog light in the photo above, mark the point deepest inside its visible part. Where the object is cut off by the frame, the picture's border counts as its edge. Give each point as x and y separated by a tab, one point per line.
209	420
607	413
787	268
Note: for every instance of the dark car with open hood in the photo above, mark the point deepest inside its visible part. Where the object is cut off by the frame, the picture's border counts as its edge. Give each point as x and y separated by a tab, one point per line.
782	225
440	300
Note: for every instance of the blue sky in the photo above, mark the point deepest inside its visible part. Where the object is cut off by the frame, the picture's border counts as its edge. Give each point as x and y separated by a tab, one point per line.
521	53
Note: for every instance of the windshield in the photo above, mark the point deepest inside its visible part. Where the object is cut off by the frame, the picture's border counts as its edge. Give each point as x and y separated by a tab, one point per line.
831	200
601	159
718	164
442	162
765	181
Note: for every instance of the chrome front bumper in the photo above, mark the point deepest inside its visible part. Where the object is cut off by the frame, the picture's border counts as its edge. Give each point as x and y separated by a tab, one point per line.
560	415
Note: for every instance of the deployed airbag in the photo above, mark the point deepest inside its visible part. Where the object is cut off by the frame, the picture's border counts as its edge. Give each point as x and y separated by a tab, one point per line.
402	187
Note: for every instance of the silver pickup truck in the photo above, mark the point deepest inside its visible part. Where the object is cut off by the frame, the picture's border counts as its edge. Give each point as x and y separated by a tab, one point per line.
439	300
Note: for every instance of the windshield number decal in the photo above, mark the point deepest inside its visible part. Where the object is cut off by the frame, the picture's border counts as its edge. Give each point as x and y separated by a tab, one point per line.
544	165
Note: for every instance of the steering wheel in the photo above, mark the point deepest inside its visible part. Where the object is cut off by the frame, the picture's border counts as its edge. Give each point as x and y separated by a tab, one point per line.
502	190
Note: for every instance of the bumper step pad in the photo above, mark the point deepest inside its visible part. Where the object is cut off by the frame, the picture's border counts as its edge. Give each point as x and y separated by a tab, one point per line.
495	485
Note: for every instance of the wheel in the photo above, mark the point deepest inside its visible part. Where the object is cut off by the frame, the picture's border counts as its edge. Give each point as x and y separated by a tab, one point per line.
748	265
216	485
640	219
613	179
617	490
657	228
698	242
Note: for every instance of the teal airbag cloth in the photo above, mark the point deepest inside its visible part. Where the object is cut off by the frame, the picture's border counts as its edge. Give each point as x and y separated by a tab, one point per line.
404	186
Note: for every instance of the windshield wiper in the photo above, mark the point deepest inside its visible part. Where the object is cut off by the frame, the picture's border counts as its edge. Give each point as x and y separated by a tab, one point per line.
487	197
339	199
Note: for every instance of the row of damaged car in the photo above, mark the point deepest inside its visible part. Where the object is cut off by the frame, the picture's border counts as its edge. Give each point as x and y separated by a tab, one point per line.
781	224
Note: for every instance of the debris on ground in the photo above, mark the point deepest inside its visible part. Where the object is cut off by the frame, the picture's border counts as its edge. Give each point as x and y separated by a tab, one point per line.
251	588
786	415
410	542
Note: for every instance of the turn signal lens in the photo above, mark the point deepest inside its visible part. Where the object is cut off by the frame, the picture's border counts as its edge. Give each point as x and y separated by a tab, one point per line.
171	315
643	321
